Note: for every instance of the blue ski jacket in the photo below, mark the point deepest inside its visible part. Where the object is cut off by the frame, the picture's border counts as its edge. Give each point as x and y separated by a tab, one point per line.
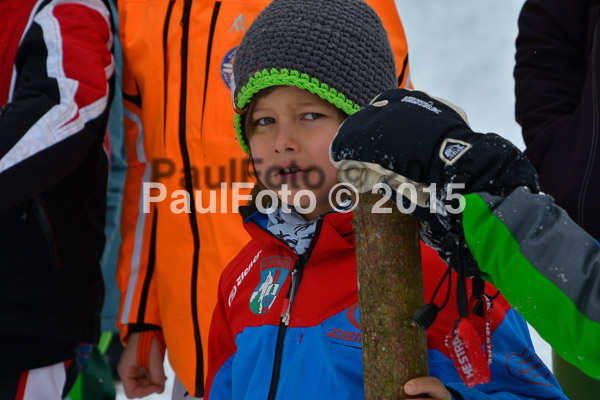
317	355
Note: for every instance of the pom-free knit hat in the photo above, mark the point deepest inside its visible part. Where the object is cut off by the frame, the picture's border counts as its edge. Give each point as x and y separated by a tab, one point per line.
336	49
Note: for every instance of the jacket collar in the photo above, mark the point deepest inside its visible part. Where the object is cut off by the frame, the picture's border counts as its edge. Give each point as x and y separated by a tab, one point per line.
336	228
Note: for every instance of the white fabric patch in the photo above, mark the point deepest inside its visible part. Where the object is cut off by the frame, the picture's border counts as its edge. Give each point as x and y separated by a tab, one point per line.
46	383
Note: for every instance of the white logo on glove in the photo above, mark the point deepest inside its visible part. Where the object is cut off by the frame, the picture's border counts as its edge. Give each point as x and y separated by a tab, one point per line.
453	149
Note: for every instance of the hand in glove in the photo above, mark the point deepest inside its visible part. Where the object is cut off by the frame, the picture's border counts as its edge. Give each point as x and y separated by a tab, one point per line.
406	136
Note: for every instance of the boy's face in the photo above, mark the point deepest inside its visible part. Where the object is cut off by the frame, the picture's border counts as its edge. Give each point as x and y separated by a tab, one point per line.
289	133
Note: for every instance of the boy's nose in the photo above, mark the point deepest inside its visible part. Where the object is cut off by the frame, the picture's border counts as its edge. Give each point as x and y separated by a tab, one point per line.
285	140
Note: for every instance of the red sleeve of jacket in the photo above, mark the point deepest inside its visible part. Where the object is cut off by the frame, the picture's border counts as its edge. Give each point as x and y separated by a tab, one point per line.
64	69
221	343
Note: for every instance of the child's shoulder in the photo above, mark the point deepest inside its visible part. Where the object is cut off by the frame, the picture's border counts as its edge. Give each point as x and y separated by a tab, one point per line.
245	259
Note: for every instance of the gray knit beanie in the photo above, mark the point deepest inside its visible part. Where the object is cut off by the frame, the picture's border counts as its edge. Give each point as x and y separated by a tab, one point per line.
336	49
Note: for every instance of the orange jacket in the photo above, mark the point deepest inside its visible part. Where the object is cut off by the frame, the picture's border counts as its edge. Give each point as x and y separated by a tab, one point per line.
179	135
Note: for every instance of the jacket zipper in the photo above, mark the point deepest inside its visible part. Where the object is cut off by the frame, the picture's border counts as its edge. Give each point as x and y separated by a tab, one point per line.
165	66
213	25
185	24
296	275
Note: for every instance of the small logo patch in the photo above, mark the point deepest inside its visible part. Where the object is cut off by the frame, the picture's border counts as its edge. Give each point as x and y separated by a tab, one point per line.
239	24
453	149
273	272
227	67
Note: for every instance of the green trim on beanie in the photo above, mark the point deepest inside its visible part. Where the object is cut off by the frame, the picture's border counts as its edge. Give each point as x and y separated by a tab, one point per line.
265	79
238	133
283	77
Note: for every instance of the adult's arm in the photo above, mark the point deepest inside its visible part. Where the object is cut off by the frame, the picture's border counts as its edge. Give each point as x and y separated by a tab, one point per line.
59	105
135	277
523	243
546	266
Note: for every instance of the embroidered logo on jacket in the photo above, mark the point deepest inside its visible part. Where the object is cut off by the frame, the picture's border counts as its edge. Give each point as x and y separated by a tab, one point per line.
273	271
239	24
227	67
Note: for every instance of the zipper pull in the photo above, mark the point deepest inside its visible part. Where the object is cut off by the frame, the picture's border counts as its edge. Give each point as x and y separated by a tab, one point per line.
285	312
286	307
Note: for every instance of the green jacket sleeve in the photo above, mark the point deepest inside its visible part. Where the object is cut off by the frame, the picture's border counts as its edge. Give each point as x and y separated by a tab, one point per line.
546	266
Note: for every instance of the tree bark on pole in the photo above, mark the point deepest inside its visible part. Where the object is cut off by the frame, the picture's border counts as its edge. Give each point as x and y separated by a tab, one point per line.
390	290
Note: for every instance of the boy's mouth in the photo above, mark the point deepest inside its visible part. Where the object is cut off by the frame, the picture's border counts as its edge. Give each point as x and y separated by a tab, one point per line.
290	171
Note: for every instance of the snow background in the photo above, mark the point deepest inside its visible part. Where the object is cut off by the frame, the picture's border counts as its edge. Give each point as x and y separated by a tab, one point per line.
463	51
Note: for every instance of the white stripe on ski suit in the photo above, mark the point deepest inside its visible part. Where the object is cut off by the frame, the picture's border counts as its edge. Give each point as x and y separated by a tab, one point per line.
54	126
46	383
141	220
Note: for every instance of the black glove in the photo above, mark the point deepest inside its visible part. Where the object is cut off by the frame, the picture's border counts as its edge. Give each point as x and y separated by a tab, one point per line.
406	136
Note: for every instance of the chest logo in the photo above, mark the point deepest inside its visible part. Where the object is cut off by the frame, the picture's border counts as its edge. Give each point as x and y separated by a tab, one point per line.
273	272
227	67
239	24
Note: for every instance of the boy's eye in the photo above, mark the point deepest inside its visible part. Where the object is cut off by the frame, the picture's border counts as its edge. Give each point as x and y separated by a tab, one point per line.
312	116
264	121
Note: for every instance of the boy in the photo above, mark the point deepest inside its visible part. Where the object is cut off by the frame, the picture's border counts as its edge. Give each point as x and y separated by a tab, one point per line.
287	324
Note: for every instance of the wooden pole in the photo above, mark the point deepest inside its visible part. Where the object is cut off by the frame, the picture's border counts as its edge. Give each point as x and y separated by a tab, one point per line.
390	290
